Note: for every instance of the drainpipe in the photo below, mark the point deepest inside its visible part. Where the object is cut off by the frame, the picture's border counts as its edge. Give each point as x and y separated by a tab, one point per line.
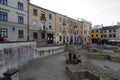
28	21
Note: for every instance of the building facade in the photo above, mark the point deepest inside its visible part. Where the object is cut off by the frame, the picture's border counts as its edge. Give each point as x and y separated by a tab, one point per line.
86	31
41	25
75	31
14	19
96	35
80	31
110	33
62	29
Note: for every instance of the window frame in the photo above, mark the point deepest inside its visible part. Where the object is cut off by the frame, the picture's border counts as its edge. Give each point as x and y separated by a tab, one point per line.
20	33
35	12
4	2
20	19
5	32
20	6
3	16
43	35
35	35
50	16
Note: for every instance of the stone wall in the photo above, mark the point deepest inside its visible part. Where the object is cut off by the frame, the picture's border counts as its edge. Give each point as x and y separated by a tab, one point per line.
15	55
45	51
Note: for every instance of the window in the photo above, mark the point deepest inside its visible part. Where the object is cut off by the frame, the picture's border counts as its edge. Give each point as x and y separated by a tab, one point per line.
60	38
101	36
20	20
114	35
110	35
96	35
35	12
43	26
35	35
3	16
43	16
114	30
20	6
104	36
92	35
96	30
64	22
60	19
101	31
110	31
85	31
20	34
104	31
50	27
4	32
43	35
50	16
4	2
35	23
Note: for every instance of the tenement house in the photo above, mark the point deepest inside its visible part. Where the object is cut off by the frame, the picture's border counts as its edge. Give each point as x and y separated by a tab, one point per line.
96	35
75	31
110	33
14	19
41	25
86	33
62	29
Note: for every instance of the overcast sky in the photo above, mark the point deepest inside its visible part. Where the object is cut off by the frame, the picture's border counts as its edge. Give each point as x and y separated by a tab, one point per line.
106	12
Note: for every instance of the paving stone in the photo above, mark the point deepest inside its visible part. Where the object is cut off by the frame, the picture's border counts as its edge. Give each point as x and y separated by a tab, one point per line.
47	68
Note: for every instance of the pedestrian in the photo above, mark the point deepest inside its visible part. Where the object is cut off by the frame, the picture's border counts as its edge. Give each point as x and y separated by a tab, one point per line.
74	56
70	56
78	59
74	59
1	38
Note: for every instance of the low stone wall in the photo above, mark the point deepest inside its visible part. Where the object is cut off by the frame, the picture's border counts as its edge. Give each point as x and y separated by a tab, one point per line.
90	71
15	55
97	56
113	57
117	51
45	51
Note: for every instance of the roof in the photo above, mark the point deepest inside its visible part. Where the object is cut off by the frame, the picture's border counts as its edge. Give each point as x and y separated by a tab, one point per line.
110	27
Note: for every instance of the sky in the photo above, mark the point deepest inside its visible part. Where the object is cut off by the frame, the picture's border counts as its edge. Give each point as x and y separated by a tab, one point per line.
106	12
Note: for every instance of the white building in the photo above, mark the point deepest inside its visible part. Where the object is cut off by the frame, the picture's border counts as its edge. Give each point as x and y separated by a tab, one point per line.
14	19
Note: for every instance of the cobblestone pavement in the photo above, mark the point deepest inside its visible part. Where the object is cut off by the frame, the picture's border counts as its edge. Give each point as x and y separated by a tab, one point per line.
47	68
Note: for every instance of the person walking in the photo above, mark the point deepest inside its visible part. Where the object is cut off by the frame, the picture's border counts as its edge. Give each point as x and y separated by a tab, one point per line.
70	56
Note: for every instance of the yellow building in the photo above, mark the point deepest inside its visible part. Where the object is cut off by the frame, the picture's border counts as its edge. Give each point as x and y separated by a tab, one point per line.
41	24
62	35
95	35
86	31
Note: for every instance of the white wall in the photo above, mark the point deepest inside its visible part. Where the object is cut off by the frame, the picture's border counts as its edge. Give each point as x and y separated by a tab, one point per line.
15	55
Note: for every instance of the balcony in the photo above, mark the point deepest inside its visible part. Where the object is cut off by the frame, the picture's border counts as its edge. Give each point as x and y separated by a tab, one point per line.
42	29
75	26
64	23
43	18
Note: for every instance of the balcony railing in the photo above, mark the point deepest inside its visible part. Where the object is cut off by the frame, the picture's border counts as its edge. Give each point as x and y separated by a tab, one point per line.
64	23
43	18
43	29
